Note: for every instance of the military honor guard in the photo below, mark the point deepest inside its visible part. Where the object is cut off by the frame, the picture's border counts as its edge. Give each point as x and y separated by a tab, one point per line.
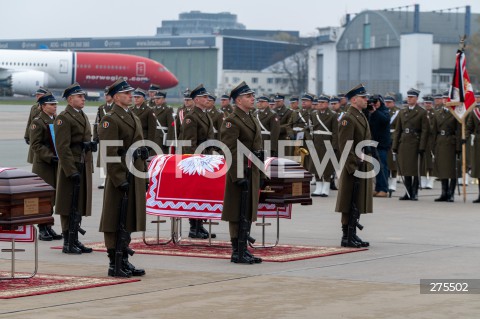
241	127
164	132
269	124
294	100
73	141
284	114
216	116
354	190
34	112
45	159
325	128
102	110
225	106
145	114
473	131
152	90
438	101
426	166
187	106
410	142
393	111
197	128
124	203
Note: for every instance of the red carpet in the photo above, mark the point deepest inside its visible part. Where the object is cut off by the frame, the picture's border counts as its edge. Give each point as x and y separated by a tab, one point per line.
222	250
47	284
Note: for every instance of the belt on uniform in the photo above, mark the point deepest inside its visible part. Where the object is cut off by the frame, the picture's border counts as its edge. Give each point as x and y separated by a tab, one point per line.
410	130
444	133
297	129
319	132
392	130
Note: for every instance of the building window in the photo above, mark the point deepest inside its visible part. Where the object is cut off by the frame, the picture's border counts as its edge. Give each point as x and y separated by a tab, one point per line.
236	79
278	80
254	80
445	78
366	36
270	80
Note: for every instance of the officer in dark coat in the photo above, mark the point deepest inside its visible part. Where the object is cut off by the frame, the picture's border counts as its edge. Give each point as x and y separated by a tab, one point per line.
225	106
473	138
102	110
187	106
73	137
286	133
152	90
354	127
197	128
410	142
426	166
121	124
164	132
34	111
393	111
241	127
216	116
269	124
145	114
45	160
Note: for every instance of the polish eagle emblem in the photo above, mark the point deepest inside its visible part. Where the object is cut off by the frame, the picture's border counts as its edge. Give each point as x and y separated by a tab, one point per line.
200	164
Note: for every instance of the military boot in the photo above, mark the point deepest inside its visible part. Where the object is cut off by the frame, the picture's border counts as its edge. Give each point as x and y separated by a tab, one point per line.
111	266
478	199
333	187
234	257
52	233
451	190
256	260
83	248
133	270
415	185
345	240
195	229
408	187
444	196
43	233
359	240
204	231
66	249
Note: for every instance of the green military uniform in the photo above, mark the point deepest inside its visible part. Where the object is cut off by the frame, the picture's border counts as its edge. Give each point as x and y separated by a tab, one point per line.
164	126
148	120
34	112
101	112
270	128
325	128
286	132
197	127
227	110
473	129
217	120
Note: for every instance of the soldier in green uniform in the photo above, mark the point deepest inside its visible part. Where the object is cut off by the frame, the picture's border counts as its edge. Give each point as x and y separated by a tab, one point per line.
437	101
301	125
286	133
410	142
197	128
152	90
335	107
216	116
164	132
102	110
145	114
187	106
74	150
34	111
473	132
225	106
294	102
354	127
269	124
446	140
325	128
121	124
241	127
45	160
426	166
343	102
393	110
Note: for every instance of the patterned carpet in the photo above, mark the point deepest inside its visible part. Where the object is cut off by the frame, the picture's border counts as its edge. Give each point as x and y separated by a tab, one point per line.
47	284
222	250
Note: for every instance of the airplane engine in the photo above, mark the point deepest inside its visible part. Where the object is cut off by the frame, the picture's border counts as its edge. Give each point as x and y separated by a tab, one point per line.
26	83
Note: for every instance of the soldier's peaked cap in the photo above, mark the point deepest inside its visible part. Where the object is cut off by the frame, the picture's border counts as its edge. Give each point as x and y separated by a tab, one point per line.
225	97
198	91
186	94
154	87
41	90
294	98
334	99
279	97
358	90
263	98
74	89
159	94
139	92
47	99
119	86
323	98
308	96
413	92
241	89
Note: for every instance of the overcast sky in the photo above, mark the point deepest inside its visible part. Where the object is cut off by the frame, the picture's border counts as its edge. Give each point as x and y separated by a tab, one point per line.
32	19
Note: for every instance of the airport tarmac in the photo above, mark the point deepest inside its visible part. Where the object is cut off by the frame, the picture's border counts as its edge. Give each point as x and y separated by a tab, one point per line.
409	241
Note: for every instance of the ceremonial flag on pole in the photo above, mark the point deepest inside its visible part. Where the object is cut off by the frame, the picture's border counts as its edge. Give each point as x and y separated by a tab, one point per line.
461	92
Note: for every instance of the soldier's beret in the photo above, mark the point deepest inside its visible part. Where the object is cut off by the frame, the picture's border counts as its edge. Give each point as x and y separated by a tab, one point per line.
73	89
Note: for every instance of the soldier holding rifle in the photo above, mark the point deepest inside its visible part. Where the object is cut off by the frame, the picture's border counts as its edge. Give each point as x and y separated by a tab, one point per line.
124	200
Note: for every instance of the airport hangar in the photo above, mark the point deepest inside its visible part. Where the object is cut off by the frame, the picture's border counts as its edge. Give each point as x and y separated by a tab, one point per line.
209	59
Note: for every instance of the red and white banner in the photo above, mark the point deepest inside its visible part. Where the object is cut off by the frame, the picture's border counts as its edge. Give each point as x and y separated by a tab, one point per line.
193	186
22	234
461	89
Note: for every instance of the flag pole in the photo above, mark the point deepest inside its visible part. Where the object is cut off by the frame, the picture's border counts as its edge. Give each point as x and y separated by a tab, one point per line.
464	162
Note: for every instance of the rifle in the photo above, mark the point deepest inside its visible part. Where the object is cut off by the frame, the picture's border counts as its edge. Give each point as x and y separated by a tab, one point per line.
74	217
354	220
244	223
123	236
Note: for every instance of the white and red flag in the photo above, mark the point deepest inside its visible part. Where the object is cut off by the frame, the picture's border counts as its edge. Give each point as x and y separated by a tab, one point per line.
461	91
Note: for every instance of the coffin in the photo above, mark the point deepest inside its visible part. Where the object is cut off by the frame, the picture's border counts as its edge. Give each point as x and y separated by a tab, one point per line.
288	183
25	199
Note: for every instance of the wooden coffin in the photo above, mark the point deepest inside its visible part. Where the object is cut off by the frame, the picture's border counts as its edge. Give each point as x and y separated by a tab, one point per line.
25	199
288	183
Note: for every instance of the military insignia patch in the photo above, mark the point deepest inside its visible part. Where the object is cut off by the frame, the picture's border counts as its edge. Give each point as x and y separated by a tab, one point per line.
188	121
228	124
344	123
105	124
59	122
33	126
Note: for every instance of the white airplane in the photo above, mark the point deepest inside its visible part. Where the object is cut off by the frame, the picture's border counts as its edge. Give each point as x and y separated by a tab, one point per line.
23	71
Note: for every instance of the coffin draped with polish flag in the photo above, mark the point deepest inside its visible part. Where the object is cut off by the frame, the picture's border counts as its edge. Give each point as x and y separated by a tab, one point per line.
193	186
